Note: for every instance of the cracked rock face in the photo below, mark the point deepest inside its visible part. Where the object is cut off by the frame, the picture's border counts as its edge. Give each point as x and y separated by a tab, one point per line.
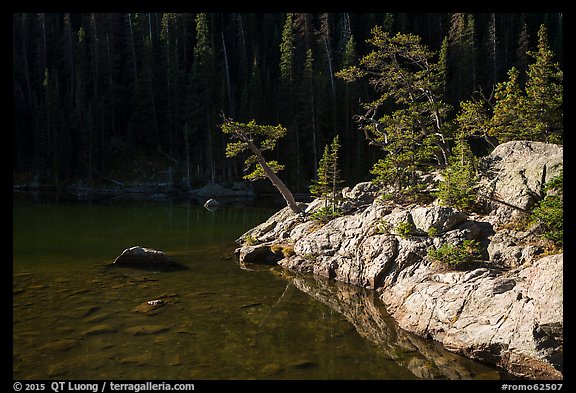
513	320
515	172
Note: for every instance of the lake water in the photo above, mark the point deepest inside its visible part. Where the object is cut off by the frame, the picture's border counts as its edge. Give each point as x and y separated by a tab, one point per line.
76	318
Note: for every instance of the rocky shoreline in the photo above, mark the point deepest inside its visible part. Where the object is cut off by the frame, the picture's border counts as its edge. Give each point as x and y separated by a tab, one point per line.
506	309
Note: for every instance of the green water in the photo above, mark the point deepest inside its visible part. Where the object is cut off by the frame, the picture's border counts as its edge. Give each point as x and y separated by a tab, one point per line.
75	318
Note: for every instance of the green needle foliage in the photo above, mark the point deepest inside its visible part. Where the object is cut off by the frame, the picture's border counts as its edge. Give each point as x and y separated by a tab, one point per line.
534	113
258	138
550	211
457	188
328	183
456	255
328	179
414	134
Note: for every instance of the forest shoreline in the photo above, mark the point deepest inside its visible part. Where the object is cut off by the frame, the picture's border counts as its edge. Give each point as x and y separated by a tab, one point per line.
238	194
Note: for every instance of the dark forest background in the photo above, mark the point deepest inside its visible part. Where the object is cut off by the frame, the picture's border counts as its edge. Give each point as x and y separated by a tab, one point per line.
118	96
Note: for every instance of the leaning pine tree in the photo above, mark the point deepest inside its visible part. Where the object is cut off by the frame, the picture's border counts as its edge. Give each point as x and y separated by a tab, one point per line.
258	138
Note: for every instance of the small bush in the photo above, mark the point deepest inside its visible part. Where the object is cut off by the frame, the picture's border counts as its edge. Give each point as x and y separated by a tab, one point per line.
382	228
285	250
520	223
276	249
404	229
550	211
251	240
457	188
288	250
386	197
326	214
311	257
433	231
456	256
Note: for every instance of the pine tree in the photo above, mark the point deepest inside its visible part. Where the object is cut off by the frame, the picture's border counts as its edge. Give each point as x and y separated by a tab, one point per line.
522	52
287	50
201	116
415	134
508	120
349	56
492	51
257	139
544	117
443	66
462	51
457	188
320	187
474	118
335	180
328	180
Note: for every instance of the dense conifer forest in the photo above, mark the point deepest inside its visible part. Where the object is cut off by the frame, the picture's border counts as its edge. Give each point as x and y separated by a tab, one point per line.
104	96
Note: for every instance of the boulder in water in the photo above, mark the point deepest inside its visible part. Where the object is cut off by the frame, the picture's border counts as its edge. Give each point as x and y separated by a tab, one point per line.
143	257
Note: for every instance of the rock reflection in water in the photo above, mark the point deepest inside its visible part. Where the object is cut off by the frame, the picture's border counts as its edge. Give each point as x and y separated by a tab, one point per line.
361	307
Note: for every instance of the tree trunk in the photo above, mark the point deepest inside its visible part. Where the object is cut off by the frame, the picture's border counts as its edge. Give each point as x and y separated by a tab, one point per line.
276	181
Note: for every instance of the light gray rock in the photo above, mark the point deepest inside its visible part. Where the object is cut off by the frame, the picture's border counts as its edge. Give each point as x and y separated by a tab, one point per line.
361	193
513	174
442	218
511	248
277	226
514	320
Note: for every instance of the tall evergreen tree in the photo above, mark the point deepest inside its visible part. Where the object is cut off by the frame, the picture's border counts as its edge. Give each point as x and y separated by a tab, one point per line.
522	52
415	134
287	50
200	101
508	121
544	93
461	56
328	177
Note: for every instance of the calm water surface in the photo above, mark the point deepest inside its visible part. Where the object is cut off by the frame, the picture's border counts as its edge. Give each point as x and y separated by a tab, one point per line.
76	318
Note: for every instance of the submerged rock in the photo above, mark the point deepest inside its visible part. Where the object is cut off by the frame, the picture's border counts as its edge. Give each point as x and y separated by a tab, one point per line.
99	329
60	345
144	330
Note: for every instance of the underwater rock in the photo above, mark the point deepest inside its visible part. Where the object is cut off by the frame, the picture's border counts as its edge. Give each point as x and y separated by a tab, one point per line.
144	330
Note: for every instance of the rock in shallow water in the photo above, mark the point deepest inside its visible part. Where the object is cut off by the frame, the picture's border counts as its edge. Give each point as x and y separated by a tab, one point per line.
140	256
